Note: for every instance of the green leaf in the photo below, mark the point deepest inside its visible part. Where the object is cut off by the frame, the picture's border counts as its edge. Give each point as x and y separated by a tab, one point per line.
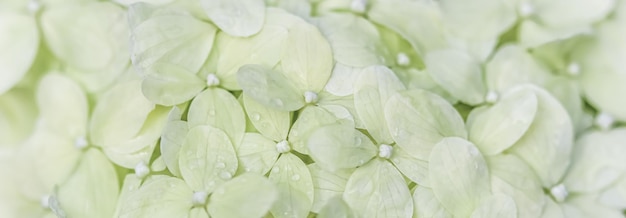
463	79
419	119
295	187
170	84
459	176
377	189
207	158
335	208
160	198
19	48
309	120
240	18
414	169
63	105
92	190
173	37
340	147
268	121
373	89
427	205
256	153
496	206
327	185
247	195
172	140
218	108
547	144
496	128
269	88
114	120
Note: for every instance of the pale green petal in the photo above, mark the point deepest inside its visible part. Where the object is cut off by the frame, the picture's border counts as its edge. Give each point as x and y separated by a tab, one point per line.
463	79
328	185
568	92
496	206
547	144
63	105
354	40
130	185
264	48
92	190
582	206
377	189
339	147
533	34
307	60
498	127
174	37
419	119
164	197
427	205
491	17
511	176
301	8
198	212
78	42
256	153
551	209
207	158
18	115
236	17
309	120
270	122
247	195
170	84
335	208
459	175
131	2
218	108
414	169
558	13
19	48
372	91
114	119
342	80
295	187
172	139
269	88
512	65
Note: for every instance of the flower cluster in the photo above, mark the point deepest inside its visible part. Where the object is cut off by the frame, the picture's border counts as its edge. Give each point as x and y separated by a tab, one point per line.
312	108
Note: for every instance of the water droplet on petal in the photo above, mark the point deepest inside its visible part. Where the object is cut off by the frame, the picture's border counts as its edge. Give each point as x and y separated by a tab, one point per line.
220	165
225	175
276	170
255	116
295	177
277	102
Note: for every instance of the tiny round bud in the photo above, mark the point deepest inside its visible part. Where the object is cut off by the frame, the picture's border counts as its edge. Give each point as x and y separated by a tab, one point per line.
573	69
491	97
384	151
310	97
141	170
358	6
526	9
199	198
559	192
604	121
212	80
80	142
402	59
283	146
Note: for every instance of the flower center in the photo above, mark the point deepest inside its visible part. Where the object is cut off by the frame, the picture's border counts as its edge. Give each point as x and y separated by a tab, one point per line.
212	80
141	170
526	9
573	69
310	97
491	97
604	121
402	59
44	201
199	198
385	151
283	146
358	6
559	192
33	6
80	142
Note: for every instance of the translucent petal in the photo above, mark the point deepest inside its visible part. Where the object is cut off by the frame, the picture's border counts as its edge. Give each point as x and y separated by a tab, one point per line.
492	17
372	91
218	108
547	144
328	185
198	212
114	120
269	88
301	8
501	125
130	185
511	176
496	206
18	115
174	37
355	41
170	84
588	206
414	169
309	120
63	105
533	34
256	154
264	48
19	48
463	79
247	195
512	65
570	13
342	80
172	139
419	119
335	208
427	205
270	122
207	158
92	190
377	189
459	176
307	60
163	197
241	18
339	147
552	210
295	187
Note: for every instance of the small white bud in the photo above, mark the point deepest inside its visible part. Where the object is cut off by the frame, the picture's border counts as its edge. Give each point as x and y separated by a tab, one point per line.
80	142
402	59
33	6
310	97
559	193
604	121
141	170
199	198
212	80
573	69
44	201
283	146
526	9
358	6
384	151
491	97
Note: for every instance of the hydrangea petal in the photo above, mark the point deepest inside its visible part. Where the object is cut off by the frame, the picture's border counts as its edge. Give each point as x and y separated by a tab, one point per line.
309	120
492	17
328	185
336	147
241	18
427	205
172	140
463	79
269	87
256	153
19	48
63	105
170	84
268	121
295	187
335	208
496	206
160	198
218	108
414	169
247	195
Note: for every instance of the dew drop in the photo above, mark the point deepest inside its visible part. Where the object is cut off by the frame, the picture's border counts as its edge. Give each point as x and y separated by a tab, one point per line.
212	112
255	116
277	102
225	175
295	177
276	170
220	165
